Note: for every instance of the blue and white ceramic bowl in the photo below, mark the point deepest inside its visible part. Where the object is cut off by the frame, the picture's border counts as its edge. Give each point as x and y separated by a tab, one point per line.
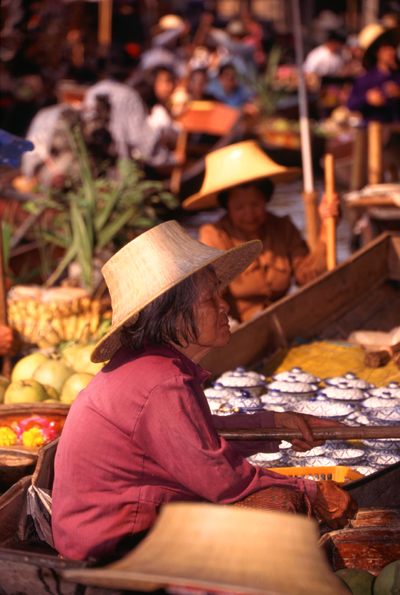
379	403
386	444
337	393
268	459
383	458
348	456
390	391
292	389
297	375
348	380
324	409
240	378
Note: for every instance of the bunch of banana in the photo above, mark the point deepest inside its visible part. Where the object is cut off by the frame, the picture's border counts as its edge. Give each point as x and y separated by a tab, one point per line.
56	318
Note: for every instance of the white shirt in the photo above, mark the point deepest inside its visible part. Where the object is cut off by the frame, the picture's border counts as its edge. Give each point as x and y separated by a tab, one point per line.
322	62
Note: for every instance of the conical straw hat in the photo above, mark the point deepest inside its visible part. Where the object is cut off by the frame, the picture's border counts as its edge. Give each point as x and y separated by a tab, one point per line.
154	262
374	34
233	165
224	548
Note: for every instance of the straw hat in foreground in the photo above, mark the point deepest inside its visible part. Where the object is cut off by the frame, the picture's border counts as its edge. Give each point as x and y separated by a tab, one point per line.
373	35
153	263
223	548
233	165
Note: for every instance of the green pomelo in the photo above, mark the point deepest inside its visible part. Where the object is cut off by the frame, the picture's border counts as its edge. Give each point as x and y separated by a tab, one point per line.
53	372
388	580
52	393
25	368
24	391
73	386
358	581
78	358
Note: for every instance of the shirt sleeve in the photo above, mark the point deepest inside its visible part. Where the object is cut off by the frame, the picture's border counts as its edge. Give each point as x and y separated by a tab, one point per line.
175	429
243	421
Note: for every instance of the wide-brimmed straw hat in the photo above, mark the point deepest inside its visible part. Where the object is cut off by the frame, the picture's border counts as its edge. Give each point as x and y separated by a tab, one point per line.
373	35
225	549
234	165
153	263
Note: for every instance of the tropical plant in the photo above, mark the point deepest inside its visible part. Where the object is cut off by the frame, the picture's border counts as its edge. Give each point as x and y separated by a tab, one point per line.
100	214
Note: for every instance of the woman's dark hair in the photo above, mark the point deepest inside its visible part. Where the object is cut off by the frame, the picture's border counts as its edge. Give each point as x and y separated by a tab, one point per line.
265	186
169	318
145	85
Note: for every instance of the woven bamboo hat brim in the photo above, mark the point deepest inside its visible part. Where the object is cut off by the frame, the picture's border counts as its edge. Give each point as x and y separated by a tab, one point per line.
154	262
234	165
373	35
222	548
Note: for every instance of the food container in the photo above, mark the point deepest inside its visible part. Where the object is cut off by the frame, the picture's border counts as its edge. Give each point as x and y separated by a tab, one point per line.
322	461
348	380
390	391
274	399
292	389
297	375
240	378
390	415
382	458
244	401
337	393
379	403
265	459
386	444
347	456
317	451
324	409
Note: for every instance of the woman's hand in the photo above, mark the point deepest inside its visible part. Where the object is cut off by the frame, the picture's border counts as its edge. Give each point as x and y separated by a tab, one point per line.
329	208
333	505
305	424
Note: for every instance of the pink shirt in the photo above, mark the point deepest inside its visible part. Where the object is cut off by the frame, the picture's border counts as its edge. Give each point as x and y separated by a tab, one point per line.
142	434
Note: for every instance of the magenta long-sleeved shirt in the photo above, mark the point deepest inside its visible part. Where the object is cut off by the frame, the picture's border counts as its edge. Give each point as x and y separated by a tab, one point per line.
141	434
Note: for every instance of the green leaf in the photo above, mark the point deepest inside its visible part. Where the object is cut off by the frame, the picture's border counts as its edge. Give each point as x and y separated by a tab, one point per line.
68	257
110	231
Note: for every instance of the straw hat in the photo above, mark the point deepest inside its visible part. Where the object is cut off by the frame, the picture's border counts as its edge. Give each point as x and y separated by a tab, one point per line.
222	548
233	165
170	21
374	34
154	262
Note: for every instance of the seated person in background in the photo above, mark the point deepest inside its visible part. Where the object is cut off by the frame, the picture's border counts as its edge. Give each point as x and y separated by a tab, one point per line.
326	59
141	434
227	88
240	179
376	93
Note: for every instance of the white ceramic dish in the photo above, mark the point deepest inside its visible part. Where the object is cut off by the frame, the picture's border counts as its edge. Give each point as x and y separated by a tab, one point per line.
383	458
348	380
296	375
341	394
390	391
388	445
267	459
347	456
324	409
379	403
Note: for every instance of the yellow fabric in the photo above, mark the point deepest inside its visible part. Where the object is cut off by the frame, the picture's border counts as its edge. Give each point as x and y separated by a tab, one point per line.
326	359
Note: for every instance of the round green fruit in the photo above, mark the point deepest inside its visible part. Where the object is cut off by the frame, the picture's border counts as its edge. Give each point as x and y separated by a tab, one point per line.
53	372
78	358
73	386
388	580
358	581
25	368
24	391
52	393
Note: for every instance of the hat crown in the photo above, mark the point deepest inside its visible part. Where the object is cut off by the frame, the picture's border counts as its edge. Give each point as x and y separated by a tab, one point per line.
369	34
151	264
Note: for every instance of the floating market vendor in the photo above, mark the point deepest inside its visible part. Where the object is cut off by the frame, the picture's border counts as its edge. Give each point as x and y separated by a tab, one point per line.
376	92
141	434
240	178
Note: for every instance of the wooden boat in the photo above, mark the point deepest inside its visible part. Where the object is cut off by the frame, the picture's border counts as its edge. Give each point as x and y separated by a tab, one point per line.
361	293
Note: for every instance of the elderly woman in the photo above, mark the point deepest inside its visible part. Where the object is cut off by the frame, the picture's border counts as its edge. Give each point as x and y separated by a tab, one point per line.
141	434
240	179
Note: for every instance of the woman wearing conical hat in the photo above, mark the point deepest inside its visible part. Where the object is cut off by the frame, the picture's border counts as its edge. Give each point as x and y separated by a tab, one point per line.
376	93
141	434
240	178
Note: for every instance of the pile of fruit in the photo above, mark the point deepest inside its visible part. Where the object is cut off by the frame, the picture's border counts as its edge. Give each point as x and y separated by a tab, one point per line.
48	317
58	377
361	582
32	431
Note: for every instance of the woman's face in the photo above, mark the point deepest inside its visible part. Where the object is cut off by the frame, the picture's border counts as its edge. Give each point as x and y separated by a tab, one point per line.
211	314
386	55
246	209
164	85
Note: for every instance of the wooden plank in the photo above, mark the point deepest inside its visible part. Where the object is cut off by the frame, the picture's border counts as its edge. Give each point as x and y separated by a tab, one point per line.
309	311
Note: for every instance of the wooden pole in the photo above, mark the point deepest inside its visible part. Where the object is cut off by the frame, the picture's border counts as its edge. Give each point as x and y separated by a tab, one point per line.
359	161
310	198
334	433
104	32
7	364
374	153
311	208
330	221
180	152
